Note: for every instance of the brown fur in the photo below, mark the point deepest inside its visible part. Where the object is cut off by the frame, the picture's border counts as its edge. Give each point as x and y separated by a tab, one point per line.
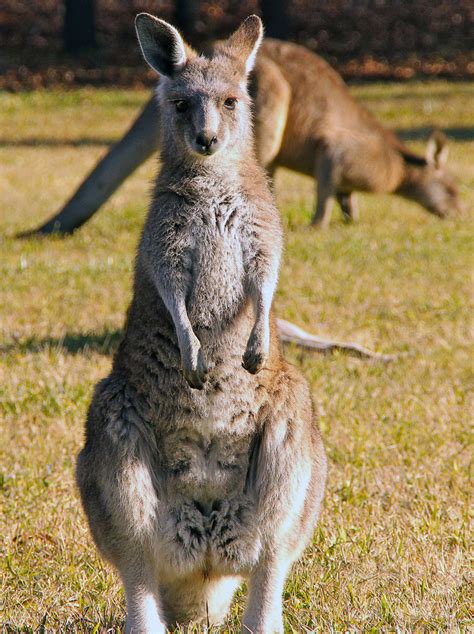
330	136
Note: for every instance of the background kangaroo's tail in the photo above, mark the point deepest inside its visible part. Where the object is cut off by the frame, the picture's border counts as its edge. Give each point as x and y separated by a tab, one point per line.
289	333
121	160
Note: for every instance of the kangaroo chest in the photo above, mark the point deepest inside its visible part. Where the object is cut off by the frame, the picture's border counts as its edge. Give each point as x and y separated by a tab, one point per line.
217	259
217	287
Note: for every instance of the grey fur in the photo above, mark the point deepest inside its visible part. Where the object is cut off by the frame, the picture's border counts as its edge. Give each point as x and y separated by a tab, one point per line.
198	472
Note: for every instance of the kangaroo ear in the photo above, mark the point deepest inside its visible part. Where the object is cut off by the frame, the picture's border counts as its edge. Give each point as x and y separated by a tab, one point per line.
437	149
162	46
244	42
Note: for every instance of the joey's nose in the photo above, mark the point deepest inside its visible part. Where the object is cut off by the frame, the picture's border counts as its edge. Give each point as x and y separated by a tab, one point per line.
206	142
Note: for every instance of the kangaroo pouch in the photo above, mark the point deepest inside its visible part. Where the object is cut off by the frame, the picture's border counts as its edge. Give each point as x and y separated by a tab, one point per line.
211	514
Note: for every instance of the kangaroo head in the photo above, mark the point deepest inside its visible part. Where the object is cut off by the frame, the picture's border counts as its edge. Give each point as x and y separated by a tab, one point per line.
430	183
204	104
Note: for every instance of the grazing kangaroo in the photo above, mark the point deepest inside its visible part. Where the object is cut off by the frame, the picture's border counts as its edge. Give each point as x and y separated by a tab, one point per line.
306	120
328	135
198	472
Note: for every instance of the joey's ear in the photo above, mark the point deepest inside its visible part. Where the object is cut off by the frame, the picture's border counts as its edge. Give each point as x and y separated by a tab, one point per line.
243	44
162	46
437	149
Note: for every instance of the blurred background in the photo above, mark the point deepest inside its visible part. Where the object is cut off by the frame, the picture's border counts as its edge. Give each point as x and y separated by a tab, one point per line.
92	42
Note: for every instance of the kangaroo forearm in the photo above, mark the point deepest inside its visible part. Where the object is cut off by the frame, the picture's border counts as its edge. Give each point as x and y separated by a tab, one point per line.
177	309
258	344
123	158
263	277
170	284
262	298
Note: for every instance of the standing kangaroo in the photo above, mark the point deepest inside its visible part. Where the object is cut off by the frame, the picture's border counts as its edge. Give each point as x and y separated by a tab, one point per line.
198	472
306	120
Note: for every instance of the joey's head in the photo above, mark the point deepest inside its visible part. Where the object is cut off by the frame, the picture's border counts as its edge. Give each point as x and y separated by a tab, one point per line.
430	183
204	104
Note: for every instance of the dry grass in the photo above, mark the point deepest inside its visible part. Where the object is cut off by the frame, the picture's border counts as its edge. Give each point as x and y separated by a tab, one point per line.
391	548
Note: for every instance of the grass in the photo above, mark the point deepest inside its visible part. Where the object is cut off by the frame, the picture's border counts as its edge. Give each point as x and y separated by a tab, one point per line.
391	548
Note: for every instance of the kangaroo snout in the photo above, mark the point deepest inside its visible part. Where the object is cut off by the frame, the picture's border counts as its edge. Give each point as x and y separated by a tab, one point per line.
206	143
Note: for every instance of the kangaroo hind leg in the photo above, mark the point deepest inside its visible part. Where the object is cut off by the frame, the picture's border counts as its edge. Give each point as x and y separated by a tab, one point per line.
349	206
325	195
116	476
144	611
264	611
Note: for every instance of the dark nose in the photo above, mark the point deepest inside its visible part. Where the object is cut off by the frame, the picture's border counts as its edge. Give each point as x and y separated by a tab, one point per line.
205	142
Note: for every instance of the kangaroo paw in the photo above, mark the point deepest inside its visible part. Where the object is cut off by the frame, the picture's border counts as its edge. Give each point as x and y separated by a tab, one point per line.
255	355
196	376
253	362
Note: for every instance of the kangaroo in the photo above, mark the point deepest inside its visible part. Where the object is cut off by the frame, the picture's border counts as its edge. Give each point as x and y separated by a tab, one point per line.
330	136
203	464
306	120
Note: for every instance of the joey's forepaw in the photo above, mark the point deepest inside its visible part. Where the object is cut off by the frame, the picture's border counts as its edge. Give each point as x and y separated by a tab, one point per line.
196	376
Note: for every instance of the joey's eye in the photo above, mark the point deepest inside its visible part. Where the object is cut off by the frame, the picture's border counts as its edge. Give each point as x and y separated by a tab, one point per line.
230	102
181	105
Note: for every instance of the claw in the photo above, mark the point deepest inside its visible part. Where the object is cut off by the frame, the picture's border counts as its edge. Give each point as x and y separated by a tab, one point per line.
253	362
197	377
195	380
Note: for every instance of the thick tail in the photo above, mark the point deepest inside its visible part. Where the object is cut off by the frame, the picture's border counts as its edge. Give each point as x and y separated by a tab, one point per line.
289	333
121	160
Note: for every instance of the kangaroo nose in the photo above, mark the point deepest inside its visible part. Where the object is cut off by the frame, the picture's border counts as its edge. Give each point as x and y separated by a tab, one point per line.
205	141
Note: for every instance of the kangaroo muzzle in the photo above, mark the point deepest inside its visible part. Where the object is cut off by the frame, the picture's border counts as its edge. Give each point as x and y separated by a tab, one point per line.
206	143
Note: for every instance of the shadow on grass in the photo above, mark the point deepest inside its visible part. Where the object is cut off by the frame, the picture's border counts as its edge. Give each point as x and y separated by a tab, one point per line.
105	343
397	91
42	142
80	625
422	133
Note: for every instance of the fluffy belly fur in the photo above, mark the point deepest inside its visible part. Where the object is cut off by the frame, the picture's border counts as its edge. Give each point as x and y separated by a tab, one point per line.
218	539
209	511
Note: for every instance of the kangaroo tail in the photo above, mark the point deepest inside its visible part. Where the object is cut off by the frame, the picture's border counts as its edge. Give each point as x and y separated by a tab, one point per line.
289	333
138	143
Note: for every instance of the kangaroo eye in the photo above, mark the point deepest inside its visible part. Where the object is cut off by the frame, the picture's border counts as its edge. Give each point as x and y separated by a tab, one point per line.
181	105
230	102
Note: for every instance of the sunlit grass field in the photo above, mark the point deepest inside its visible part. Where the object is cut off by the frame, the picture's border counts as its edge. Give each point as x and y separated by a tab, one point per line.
391	549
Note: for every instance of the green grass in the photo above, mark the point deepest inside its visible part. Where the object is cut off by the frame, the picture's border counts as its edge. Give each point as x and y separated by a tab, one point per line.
392	545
